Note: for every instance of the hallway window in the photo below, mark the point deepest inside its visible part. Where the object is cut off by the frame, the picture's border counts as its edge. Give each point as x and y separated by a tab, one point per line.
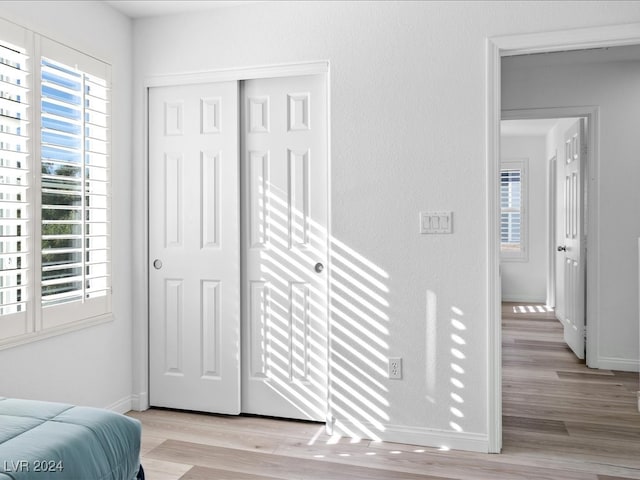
512	209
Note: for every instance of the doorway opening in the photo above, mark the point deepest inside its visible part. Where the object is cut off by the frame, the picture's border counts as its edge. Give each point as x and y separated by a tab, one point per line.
542	194
542	218
532	91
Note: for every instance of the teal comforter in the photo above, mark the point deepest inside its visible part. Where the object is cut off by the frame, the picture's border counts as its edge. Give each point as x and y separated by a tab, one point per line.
54	441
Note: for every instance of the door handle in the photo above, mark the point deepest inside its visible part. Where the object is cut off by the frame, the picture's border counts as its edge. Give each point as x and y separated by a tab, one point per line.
319	267
562	248
157	264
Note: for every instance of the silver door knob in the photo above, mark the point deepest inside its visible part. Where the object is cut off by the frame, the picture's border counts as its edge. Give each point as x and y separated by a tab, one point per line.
319	267
157	264
562	248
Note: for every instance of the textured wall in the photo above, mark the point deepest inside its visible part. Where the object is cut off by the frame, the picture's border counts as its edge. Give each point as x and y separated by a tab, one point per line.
526	281
407	134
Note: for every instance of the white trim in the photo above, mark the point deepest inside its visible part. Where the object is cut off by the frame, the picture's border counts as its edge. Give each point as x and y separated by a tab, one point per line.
497	47
574	39
141	327
43	334
617	363
494	285
420	436
329	420
121	406
243	73
139	402
572	111
445	439
551	230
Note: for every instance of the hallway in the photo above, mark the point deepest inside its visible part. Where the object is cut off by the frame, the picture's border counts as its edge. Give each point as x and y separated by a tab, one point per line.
556	408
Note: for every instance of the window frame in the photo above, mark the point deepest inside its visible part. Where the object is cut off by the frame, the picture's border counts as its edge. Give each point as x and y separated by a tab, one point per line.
41	322
521	254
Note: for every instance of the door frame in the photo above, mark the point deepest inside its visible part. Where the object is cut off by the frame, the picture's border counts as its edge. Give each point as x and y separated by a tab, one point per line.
140	400
496	48
551	229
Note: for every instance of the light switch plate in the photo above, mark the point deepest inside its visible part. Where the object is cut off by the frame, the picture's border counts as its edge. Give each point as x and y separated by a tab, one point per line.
436	222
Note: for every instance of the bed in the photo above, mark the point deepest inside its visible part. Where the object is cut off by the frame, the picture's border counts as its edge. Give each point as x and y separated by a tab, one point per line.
55	441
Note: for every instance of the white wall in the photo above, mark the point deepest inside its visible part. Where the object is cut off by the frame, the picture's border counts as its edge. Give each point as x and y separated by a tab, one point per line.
546	81
90	366
526	281
408	134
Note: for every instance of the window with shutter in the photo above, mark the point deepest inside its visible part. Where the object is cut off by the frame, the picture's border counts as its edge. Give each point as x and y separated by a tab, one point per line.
54	188
74	185
14	188
512	212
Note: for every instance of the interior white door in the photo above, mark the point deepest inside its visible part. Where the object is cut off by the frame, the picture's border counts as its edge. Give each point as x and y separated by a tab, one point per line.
194	248
284	170
573	247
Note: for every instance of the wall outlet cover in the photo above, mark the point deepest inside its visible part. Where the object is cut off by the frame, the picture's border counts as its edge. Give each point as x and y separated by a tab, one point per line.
395	368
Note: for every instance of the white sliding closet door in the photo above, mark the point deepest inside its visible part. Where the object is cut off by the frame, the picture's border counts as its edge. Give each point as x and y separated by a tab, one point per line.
194	248
284	311
231	336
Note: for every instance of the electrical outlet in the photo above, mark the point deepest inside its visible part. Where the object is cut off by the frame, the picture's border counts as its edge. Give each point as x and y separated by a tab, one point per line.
395	367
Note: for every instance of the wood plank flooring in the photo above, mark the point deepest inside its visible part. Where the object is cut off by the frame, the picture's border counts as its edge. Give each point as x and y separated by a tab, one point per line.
562	421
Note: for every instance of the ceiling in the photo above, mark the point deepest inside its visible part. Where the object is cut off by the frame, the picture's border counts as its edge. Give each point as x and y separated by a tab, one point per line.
154	8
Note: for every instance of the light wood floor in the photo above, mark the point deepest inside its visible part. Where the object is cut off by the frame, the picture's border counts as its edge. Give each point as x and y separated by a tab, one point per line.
561	421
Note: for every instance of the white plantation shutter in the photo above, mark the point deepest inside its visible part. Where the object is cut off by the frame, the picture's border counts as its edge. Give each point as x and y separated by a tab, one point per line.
512	213
511	203
75	262
54	187
14	189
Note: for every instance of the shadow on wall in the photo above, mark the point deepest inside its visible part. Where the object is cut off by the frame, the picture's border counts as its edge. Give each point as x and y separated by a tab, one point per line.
454	350
294	339
359	347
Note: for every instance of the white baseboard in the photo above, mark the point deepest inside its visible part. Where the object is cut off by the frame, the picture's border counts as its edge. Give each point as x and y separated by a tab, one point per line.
620	364
419	436
121	406
140	402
